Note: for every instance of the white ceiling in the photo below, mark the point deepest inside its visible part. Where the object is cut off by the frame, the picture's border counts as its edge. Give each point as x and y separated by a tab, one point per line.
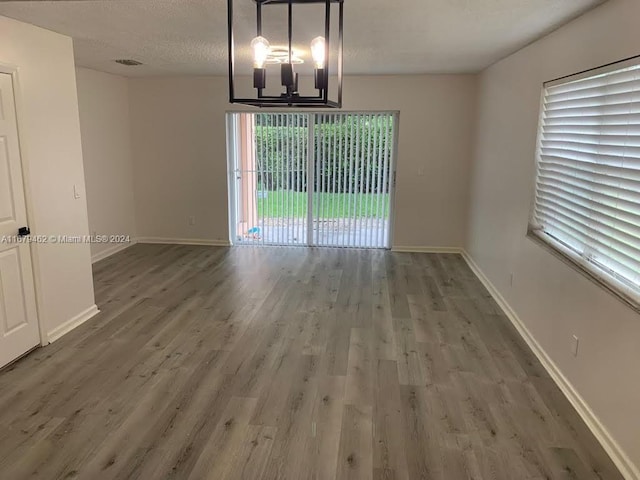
174	37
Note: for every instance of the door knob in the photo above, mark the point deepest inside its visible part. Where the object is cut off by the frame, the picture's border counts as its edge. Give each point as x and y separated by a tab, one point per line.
24	231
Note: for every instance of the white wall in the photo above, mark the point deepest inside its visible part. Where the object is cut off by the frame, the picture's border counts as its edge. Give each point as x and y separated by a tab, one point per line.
178	135
52	160
553	300
106	147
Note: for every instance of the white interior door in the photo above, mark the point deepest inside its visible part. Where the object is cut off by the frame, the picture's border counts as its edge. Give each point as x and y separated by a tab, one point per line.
18	319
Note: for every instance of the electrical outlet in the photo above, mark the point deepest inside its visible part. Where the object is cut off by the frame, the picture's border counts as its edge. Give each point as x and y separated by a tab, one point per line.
192	220
574	345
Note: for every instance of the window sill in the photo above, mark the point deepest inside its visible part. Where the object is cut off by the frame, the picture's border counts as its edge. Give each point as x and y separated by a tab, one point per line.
610	284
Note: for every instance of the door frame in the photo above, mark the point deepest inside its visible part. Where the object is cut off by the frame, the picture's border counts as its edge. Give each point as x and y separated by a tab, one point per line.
14	72
230	126
231	155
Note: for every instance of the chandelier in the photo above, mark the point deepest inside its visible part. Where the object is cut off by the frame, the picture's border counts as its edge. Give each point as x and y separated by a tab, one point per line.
303	70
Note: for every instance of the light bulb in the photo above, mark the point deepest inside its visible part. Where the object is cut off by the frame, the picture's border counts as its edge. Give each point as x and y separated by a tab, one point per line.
261	50
318	51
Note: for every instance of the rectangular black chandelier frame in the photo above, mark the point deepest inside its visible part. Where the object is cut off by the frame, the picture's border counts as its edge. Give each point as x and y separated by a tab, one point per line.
292	98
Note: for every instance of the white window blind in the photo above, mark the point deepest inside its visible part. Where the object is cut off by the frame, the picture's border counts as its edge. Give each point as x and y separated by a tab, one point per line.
587	202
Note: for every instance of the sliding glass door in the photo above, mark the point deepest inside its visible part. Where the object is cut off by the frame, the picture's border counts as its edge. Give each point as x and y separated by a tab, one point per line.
323	179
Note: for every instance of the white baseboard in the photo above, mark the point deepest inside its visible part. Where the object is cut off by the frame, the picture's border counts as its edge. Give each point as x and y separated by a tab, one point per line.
107	252
74	322
416	249
184	241
627	468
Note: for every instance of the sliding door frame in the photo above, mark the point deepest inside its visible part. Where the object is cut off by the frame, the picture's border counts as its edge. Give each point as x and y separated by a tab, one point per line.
231	122
232	153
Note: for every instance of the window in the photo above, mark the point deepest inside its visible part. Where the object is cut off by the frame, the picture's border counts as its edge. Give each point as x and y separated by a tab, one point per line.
587	192
312	179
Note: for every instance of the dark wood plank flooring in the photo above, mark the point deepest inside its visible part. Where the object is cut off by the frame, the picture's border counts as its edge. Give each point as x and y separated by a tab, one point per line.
283	363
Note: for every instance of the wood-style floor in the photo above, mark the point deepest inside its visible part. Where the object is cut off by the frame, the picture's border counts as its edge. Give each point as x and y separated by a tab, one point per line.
283	363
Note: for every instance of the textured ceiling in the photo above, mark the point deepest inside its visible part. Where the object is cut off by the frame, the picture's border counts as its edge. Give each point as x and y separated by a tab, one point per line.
381	36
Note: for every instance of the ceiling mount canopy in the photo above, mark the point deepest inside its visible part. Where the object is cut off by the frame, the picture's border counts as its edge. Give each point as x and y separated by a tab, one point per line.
292	57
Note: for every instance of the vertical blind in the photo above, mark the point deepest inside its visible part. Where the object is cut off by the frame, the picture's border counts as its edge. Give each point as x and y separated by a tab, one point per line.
587	201
281	172
352	179
312	179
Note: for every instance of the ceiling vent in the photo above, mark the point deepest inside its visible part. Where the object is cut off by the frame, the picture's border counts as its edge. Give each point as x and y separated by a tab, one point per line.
128	62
